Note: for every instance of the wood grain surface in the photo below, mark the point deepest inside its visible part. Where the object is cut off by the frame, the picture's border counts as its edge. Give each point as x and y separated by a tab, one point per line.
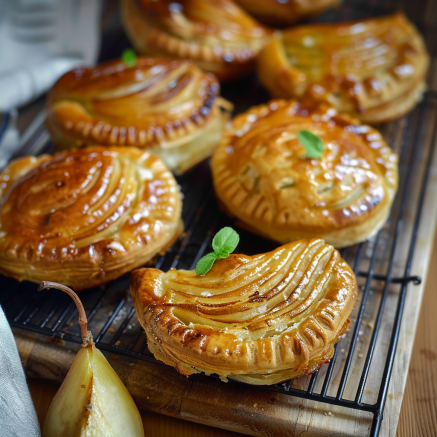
419	409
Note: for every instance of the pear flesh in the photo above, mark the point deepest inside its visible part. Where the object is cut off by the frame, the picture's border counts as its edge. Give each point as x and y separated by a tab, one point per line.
92	402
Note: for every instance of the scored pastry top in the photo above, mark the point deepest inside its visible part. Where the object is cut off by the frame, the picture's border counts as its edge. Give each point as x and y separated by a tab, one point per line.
231	33
249	314
281	13
262	175
373	69
93	204
155	102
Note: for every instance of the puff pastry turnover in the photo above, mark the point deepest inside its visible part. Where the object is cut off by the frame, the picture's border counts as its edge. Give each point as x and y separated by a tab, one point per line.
87	216
282	13
217	34
261	174
373	69
170	107
259	319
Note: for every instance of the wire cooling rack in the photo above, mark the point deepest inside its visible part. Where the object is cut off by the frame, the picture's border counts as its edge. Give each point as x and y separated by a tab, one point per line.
358	375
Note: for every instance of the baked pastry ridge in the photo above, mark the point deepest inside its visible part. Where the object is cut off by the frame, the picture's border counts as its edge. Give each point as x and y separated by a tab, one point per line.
217	34
85	217
372	69
261	174
258	319
169	107
282	13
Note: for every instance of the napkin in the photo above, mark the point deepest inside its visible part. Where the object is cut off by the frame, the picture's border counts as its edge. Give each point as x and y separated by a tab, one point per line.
17	413
40	40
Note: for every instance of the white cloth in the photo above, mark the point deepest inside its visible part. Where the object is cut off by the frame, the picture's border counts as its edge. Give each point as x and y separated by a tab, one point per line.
40	40
17	413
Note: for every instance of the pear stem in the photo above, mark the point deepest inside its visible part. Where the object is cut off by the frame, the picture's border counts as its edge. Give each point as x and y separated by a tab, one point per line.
87	337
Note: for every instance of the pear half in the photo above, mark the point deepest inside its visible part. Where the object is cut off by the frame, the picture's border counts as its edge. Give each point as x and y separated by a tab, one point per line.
92	400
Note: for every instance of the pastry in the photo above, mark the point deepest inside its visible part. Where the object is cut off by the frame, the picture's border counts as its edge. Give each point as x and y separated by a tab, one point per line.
85	217
217	34
259	319
169	107
283	13
262	176
372	69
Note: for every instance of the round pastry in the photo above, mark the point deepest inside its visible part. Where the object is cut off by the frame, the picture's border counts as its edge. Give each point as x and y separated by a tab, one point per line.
87	216
283	13
373	69
170	107
262	175
217	34
258	319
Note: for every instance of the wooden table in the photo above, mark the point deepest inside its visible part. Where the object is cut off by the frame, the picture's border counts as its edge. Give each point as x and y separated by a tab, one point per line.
419	408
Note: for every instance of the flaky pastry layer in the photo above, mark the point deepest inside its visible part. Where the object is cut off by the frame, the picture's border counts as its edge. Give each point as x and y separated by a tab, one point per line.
372	69
262	176
283	13
85	217
260	319
217	34
169	107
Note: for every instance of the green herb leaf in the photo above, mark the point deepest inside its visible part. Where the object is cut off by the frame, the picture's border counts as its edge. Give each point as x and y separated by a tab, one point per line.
312	143
225	242
205	263
129	57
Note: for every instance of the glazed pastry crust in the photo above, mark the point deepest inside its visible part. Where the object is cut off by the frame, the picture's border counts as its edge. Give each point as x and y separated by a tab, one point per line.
85	217
280	13
374	69
169	107
217	34
259	319
261	174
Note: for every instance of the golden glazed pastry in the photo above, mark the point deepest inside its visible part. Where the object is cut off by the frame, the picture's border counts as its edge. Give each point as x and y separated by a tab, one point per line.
217	34
170	107
87	216
259	319
283	13
262	176
373	69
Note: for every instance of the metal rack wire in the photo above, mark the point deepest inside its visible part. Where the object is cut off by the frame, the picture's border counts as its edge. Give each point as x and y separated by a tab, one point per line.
382	265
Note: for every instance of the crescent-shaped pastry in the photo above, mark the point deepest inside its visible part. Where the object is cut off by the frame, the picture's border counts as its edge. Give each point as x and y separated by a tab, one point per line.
87	216
170	107
262	176
217	34
283	13
372	69
258	319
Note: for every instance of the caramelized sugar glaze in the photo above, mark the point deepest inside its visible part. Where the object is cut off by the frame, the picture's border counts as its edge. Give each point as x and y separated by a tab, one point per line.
283	13
217	34
372	69
167	106
259	319
87	216
261	174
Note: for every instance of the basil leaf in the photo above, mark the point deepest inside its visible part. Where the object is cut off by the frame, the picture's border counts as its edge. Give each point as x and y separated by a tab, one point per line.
129	57
312	143
205	263
225	242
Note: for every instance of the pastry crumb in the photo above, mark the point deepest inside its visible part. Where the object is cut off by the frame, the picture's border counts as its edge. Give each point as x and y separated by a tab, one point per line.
360	355
254	405
371	324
